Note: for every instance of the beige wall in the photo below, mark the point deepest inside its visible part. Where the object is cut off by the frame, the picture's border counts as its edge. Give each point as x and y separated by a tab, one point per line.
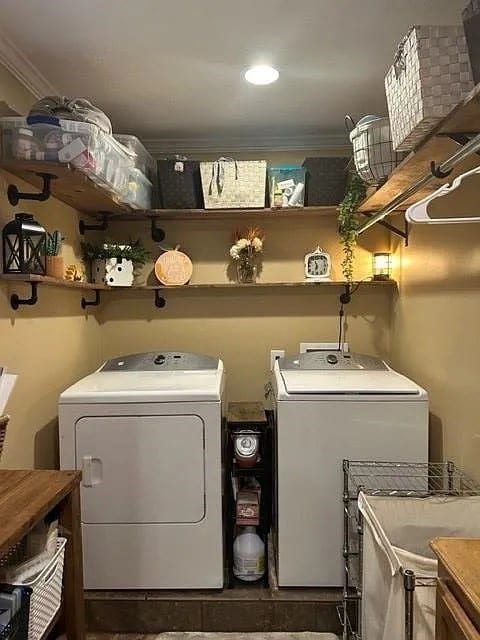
435	320
242	326
49	345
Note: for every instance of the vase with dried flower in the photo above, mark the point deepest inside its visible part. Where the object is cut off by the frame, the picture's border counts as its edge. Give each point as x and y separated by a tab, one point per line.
245	252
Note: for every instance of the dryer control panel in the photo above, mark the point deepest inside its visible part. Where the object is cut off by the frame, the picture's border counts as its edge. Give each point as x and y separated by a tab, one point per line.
328	360
162	361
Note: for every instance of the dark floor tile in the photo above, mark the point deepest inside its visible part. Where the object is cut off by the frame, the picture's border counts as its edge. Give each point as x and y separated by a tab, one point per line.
237	616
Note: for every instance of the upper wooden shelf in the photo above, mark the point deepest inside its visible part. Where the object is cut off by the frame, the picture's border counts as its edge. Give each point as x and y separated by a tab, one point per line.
70	186
464	119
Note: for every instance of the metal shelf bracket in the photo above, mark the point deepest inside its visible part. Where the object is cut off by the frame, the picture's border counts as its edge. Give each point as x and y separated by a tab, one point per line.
102	226
91	303
14	195
158	234
160	301
16	301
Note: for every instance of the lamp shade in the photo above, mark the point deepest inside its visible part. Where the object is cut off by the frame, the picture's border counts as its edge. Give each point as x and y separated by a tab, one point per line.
24	244
382	266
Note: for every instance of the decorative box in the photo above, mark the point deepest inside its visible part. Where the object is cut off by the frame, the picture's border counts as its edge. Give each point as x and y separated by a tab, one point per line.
248	508
430	76
325	180
286	186
234	184
180	184
471	23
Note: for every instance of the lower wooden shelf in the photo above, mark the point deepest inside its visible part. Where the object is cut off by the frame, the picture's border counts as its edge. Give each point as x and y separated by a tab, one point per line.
92	286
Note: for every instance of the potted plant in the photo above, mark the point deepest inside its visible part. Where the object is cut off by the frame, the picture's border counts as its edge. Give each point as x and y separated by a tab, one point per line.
348	223
113	263
55	266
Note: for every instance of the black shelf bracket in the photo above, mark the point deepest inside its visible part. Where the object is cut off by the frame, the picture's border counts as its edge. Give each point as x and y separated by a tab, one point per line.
403	233
437	172
158	234
14	195
160	301
16	301
91	303
101	226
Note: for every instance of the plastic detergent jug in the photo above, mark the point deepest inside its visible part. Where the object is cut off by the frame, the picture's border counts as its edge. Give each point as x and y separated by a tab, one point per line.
248	556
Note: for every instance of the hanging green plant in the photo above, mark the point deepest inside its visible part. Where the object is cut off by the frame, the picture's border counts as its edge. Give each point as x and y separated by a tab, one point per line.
349	223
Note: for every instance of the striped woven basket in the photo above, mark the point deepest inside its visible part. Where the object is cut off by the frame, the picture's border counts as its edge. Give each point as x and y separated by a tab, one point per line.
3	430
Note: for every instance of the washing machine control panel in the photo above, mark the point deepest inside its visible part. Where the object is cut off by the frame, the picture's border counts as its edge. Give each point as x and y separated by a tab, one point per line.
328	360
162	361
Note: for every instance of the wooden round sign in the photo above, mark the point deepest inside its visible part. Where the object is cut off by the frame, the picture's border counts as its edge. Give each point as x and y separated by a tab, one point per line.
173	268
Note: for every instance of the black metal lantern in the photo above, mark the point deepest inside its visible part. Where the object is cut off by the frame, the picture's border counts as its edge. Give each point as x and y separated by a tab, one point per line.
24	243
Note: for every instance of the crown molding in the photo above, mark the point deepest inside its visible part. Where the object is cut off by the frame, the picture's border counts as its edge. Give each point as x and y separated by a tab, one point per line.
158	146
23	70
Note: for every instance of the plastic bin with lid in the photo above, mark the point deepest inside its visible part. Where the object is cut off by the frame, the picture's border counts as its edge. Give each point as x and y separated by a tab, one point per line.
142	159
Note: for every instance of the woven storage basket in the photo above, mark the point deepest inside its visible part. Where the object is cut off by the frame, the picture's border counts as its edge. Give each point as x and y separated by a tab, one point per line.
180	184
326	180
3	431
430	76
471	23
232	184
46	595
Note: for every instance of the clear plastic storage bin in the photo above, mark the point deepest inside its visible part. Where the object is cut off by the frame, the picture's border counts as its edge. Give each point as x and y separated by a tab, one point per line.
142	158
138	192
286	186
100	156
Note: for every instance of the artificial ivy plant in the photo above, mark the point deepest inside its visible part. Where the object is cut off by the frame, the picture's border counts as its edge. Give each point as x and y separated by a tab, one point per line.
349	223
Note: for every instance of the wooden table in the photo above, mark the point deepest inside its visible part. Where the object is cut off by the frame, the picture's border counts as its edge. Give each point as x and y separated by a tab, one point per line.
458	588
26	497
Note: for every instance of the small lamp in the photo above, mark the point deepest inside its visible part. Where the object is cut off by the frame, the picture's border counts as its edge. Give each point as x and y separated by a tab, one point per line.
24	244
382	266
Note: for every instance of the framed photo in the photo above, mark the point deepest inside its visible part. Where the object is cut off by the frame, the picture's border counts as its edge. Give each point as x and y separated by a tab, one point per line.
318	265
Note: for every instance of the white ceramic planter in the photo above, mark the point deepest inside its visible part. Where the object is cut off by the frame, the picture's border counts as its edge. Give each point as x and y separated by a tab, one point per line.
113	272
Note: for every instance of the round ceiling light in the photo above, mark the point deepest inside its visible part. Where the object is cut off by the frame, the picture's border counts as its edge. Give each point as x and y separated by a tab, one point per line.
261	74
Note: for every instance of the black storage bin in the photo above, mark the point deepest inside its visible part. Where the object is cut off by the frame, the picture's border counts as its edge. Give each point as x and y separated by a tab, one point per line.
325	180
17	628
180	184
471	22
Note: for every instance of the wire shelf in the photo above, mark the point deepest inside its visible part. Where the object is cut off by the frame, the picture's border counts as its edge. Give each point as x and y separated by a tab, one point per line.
404	479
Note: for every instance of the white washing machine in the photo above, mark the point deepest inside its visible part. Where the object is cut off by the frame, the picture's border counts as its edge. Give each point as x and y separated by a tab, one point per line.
146	431
332	406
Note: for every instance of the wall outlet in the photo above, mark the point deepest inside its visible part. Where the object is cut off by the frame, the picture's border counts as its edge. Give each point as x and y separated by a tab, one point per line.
307	347
275	354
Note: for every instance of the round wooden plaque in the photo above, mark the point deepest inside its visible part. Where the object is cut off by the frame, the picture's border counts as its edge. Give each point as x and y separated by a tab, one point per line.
173	268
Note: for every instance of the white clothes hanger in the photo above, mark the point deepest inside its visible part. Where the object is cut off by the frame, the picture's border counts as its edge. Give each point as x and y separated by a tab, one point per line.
418	213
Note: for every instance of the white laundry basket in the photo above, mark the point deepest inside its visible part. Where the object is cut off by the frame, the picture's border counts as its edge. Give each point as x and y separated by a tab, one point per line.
397	533
46	595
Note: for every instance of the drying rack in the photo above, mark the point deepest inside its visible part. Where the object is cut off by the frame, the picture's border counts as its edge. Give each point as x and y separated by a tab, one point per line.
393	479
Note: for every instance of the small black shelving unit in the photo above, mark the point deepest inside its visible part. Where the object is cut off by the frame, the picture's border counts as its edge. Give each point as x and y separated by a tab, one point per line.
262	471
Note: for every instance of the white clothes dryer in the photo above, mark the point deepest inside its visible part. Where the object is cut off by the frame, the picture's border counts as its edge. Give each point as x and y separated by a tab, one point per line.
146	432
331	406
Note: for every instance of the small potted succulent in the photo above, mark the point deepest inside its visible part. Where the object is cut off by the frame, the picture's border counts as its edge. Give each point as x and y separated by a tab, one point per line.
112	263
55	266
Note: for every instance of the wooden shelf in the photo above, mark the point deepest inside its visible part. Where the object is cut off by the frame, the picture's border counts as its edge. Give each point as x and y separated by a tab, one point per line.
70	186
464	119
227	214
68	284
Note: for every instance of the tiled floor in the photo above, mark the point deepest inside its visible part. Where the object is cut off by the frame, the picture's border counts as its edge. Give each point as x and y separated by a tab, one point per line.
216	636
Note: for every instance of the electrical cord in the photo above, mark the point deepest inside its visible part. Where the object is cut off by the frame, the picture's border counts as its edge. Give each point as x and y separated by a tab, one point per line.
345	298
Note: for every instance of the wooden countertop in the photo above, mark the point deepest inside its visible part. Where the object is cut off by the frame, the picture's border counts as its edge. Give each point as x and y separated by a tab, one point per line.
26	496
461	559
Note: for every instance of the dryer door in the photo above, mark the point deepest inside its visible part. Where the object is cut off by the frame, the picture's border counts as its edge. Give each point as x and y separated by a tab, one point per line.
142	469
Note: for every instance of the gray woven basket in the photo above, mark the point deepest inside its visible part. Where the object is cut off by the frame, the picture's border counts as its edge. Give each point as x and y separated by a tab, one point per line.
326	180
471	22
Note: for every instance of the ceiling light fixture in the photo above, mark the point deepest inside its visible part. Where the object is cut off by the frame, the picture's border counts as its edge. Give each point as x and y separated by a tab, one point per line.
261	74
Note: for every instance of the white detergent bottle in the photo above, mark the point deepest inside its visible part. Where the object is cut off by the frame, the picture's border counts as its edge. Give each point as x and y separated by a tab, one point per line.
248	556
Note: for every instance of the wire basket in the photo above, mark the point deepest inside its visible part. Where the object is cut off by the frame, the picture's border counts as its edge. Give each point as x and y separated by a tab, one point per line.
17	628
373	152
3	431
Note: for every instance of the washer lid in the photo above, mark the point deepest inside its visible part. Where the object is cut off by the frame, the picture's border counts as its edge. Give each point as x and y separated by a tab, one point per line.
110	384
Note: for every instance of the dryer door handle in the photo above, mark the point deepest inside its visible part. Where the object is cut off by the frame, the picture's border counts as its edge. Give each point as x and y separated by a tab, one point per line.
92	471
